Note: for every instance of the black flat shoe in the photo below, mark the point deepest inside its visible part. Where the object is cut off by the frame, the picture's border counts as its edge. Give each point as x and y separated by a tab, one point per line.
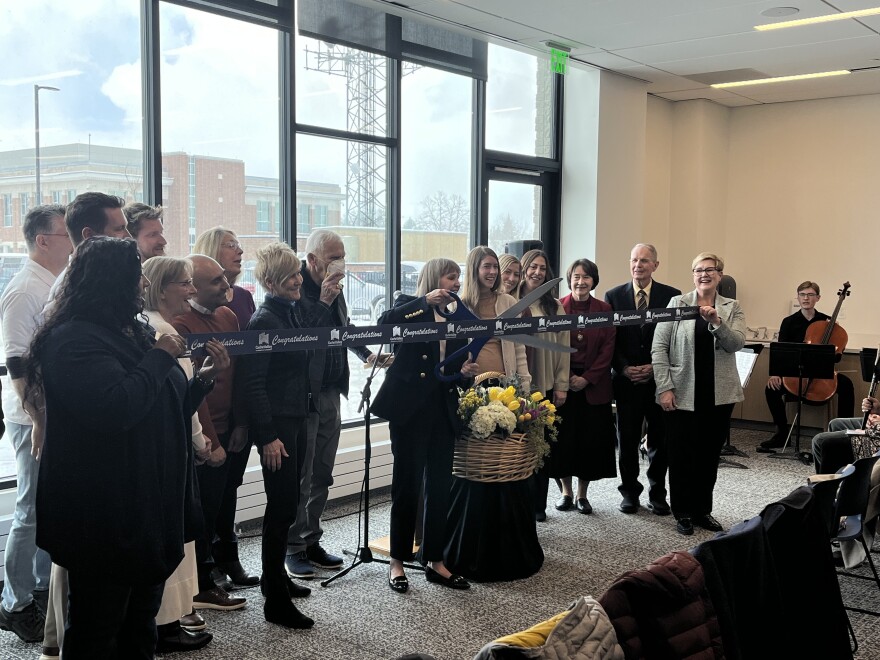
684	526
584	506
181	641
453	581
294	590
564	503
284	613
238	575
541	516
400	584
709	523
659	508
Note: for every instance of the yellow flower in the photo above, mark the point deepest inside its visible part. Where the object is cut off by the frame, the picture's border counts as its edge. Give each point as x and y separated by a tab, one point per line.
495	393
551	419
513	405
536	396
550	407
522	418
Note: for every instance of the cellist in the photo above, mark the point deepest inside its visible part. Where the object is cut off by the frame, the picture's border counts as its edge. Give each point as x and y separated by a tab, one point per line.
794	329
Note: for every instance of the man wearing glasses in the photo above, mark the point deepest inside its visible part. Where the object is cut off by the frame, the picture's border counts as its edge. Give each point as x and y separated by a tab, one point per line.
794	329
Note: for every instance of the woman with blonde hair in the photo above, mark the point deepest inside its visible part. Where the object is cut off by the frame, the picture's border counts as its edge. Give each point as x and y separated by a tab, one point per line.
480	293
511	273
167	296
697	386
423	421
549	369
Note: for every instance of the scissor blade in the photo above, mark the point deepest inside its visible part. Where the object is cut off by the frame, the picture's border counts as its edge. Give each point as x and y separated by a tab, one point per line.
526	301
529	340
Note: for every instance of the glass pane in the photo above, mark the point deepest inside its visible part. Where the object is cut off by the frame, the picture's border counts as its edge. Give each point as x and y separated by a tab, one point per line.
519	103
222	171
342	88
341	186
436	155
514	213
90	124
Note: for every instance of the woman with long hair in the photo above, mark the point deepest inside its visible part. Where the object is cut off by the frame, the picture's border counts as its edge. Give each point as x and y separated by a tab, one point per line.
223	246
115	501
587	441
549	369
480	293
511	273
170	289
492	533
423	421
277	391
697	386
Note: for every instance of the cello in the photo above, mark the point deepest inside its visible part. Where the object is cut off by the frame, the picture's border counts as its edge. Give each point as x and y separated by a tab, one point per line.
829	331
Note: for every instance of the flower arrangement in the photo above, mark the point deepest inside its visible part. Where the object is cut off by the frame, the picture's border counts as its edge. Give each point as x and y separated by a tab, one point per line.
508	409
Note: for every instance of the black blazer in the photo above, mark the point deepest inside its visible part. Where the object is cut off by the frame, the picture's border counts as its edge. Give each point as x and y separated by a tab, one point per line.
633	344
410	383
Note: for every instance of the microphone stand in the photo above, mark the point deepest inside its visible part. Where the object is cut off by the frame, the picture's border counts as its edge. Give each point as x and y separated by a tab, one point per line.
363	554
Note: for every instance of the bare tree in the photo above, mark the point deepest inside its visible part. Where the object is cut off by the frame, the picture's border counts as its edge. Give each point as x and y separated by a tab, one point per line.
507	228
442	212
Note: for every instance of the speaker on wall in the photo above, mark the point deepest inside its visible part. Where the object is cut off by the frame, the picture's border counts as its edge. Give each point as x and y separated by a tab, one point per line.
519	248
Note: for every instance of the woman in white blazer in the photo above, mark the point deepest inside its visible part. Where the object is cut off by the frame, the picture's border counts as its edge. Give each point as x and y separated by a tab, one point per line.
698	385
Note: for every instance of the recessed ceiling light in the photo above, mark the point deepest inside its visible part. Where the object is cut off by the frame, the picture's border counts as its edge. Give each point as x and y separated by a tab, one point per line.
860	13
764	81
776	12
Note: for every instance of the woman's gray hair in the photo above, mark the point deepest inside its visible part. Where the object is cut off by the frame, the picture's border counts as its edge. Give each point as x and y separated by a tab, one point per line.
276	263
432	272
704	256
161	271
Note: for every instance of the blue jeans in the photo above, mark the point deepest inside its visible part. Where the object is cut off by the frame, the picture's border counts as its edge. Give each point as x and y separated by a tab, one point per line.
27	567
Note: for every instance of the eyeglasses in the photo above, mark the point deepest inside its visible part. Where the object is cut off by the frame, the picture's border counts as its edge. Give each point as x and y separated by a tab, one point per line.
808	295
707	271
232	245
183	283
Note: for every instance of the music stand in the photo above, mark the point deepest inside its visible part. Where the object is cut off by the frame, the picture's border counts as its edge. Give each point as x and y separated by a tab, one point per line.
745	363
868	364
803	361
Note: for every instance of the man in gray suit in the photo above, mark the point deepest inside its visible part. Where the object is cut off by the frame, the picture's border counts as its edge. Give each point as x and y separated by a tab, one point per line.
329	374
634	387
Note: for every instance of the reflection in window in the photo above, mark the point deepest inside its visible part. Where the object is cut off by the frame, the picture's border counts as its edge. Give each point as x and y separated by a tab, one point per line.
519	103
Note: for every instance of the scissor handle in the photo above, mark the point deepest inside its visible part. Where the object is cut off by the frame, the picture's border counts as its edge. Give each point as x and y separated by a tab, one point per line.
460	312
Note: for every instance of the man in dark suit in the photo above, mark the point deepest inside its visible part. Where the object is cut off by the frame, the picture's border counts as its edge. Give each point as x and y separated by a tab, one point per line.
634	386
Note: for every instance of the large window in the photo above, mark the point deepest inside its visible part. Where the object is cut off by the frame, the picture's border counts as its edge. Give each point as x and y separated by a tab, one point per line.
220	130
436	175
84	59
519	103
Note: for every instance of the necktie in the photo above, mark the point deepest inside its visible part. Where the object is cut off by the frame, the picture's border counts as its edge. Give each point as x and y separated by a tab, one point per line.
643	300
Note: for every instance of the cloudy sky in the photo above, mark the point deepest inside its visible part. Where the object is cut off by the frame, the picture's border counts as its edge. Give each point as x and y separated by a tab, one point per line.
220	95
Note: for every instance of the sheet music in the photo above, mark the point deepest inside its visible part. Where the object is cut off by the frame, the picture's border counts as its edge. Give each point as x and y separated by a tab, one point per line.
745	362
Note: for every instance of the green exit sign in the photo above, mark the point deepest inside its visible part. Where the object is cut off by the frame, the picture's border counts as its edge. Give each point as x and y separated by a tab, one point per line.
558	61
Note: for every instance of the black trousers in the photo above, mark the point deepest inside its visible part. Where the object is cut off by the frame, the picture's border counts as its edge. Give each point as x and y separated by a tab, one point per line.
282	499
776	402
108	621
694	441
635	405
225	548
422	451
212	489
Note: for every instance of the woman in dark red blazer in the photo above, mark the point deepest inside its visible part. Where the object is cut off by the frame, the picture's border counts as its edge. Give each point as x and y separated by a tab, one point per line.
586	446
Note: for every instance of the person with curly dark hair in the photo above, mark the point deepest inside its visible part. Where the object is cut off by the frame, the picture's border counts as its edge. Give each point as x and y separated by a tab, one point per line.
115	500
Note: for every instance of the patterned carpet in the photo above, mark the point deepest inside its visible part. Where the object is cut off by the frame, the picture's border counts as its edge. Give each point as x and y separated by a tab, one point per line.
358	617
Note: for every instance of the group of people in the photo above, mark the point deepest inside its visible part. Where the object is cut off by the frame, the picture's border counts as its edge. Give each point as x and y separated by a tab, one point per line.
130	453
678	378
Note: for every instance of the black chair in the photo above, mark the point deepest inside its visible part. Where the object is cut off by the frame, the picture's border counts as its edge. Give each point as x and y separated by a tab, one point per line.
849	510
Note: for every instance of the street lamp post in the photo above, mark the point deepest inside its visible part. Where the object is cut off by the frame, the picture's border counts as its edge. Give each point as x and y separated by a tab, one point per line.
37	89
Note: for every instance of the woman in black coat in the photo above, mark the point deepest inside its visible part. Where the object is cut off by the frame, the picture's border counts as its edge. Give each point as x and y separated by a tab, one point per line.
423	422
115	498
276	388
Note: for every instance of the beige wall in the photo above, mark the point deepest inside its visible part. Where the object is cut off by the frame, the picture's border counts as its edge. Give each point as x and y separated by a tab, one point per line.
784	192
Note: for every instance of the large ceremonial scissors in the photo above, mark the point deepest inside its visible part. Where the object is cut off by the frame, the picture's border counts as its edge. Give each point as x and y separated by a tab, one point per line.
462	313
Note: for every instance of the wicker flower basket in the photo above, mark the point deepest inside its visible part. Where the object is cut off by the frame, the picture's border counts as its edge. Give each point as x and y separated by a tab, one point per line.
494	459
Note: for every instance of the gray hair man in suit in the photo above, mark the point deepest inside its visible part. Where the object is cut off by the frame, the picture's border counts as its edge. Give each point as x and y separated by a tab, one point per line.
634	386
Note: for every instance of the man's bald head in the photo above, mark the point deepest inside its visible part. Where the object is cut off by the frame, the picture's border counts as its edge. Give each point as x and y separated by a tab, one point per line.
212	287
